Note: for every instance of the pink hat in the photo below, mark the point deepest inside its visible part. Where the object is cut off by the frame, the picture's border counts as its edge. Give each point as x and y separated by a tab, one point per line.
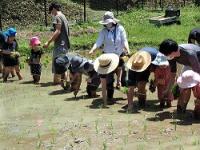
188	79
34	41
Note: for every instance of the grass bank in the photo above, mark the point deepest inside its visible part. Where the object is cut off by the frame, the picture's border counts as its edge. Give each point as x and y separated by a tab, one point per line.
136	22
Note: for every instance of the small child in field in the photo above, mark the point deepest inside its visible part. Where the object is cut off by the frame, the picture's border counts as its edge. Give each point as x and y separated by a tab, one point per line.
34	60
162	76
191	80
10	54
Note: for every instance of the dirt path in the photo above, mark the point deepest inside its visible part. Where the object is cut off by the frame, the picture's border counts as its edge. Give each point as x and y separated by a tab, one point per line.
46	117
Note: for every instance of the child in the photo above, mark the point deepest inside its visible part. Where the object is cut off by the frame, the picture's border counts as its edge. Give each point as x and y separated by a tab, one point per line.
10	54
162	76
77	66
191	80
34	60
81	65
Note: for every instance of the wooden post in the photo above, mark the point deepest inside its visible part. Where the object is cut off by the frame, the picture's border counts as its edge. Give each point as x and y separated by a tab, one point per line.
45	12
117	7
84	10
1	27
1	11
142	4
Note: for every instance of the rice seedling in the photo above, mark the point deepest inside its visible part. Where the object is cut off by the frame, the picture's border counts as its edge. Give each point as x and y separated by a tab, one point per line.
97	126
105	147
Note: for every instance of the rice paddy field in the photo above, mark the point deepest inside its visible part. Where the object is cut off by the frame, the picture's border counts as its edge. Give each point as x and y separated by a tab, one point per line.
45	117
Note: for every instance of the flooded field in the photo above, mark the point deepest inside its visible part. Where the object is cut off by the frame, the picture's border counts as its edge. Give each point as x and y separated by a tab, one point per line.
45	117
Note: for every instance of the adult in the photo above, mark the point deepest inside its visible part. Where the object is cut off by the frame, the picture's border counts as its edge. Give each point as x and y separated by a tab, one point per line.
194	36
81	65
114	40
9	48
106	65
140	67
184	54
60	36
191	80
78	66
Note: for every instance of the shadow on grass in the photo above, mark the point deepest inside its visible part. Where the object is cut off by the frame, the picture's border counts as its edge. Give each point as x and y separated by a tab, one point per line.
58	92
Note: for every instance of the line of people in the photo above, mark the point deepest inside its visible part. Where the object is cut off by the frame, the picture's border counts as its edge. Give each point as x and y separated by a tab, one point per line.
132	71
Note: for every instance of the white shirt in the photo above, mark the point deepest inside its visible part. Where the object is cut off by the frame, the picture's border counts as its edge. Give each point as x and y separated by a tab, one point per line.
113	41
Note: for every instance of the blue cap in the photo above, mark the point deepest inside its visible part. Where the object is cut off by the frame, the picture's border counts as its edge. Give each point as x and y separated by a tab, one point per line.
10	32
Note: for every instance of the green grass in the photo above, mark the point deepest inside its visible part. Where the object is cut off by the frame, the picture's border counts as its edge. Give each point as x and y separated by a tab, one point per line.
141	33
136	23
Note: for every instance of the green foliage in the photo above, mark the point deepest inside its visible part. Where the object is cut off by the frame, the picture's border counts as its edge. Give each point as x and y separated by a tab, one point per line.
136	23
140	32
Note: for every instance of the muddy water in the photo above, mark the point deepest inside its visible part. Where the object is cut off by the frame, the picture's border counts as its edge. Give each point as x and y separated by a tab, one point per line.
46	117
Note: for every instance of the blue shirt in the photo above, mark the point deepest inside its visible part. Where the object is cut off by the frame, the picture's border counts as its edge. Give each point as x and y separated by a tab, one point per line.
152	51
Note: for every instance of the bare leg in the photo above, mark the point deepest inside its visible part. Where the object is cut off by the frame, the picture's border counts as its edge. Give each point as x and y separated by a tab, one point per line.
104	90
56	79
130	95
18	72
183	100
6	73
13	72
119	76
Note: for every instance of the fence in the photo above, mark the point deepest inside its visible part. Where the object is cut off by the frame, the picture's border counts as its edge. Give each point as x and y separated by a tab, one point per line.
77	10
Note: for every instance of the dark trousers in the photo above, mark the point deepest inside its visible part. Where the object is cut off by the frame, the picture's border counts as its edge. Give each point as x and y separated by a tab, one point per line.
110	85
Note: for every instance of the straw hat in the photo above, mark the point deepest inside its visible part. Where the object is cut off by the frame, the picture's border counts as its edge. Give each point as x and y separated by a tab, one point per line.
160	60
108	18
188	79
106	63
139	61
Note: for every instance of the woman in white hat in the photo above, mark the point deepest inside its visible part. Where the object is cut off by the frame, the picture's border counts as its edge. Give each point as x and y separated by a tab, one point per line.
113	37
190	80
105	65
